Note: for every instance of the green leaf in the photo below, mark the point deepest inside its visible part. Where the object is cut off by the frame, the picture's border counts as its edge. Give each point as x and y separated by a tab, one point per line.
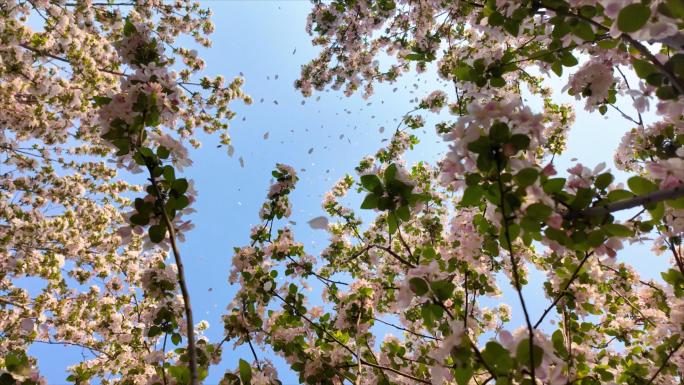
245	372
520	141
495	19
140	219
129	28
676	8
676	203
101	101
169	173
370	201
497	357
658	212
16	362
526	177
157	233
676	279
390	173
538	211
163	152
392	223
583	31
418	286
180	373
497	82
154	331
618	195
176	338
604	180
560	30
568	59
643	68
471	196
587	11
633	17
370	182
559	343
522	353
403	213
415	57
180	186
553	185
582	199
463	375
640	185
512	26
618	230
442	289
480	146
499	132
181	202
430	313
152	117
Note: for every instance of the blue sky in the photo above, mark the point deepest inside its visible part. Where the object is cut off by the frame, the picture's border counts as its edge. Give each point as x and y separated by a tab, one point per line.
267	42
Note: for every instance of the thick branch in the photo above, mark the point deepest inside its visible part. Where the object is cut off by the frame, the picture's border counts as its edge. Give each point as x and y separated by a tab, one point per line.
654	197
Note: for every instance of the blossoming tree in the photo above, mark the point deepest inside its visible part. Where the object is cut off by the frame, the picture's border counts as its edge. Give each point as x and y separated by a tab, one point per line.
90	95
445	238
87	93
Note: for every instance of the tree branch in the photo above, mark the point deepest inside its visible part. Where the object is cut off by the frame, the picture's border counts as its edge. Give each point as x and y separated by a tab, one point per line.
190	326
665	362
654	197
563	291
516	273
350	350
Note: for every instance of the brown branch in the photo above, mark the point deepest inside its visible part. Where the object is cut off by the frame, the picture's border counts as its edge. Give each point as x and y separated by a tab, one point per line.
676	82
654	197
350	350
564	290
190	326
385	248
47	54
516	273
406	330
665	362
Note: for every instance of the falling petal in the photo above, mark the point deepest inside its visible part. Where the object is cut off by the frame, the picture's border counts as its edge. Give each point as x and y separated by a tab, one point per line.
318	223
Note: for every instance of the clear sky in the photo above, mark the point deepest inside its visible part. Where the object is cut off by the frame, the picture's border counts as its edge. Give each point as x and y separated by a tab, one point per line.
267	42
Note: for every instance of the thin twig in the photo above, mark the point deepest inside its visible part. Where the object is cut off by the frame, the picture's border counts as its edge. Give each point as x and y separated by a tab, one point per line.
563	291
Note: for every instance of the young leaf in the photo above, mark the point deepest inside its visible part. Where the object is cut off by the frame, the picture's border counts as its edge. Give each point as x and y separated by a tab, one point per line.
632	17
245	372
